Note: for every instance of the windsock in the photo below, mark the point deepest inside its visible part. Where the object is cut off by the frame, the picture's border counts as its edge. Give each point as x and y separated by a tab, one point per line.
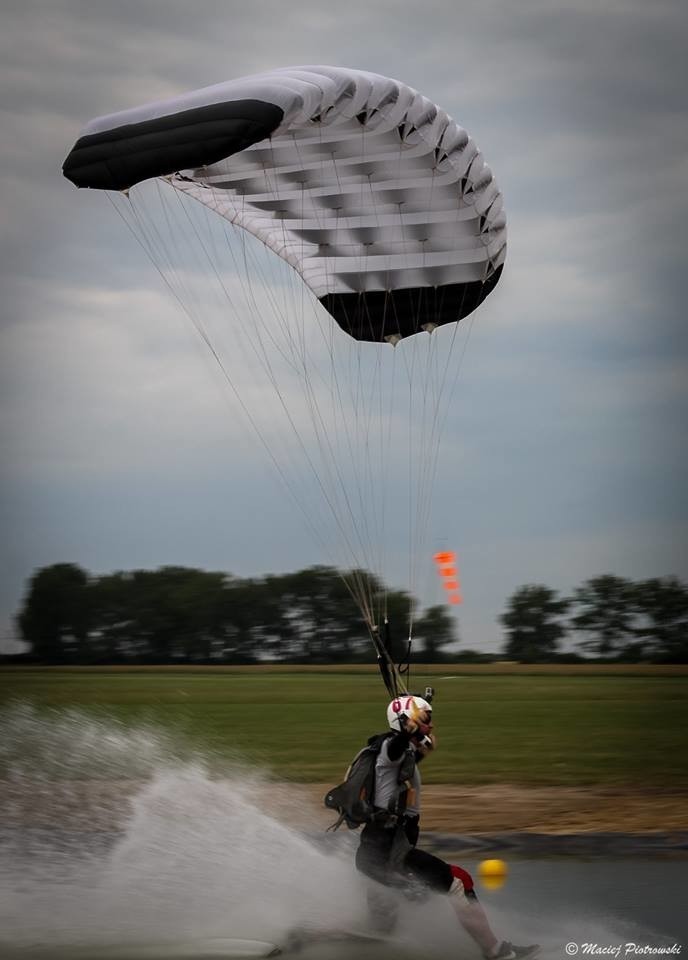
449	572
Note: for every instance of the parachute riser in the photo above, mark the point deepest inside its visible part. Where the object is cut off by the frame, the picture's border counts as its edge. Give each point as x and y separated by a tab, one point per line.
392	674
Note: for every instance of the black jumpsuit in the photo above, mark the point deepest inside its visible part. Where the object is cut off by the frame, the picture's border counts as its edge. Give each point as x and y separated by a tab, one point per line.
387	851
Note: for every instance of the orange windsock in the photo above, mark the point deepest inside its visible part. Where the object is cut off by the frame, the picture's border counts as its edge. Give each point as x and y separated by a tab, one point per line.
445	557
449	573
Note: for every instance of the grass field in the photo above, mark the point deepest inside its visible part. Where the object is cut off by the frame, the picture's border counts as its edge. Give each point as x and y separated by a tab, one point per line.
529	725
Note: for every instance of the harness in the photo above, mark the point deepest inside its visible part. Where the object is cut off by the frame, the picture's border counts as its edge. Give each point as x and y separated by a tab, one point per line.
354	799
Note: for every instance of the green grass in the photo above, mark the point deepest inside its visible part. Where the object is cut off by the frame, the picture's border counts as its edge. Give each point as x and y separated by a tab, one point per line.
567	727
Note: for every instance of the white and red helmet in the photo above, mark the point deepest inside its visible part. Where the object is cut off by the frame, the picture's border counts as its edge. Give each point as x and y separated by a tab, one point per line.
408	707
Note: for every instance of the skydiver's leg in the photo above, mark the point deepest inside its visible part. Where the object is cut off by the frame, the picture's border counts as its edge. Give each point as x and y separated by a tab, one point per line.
372	855
372	858
383	909
458	884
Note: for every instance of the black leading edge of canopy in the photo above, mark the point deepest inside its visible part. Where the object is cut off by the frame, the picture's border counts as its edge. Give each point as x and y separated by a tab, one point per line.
376	315
116	159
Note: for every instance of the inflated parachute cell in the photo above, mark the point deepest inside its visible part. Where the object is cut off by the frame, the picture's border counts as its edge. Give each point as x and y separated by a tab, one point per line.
378	199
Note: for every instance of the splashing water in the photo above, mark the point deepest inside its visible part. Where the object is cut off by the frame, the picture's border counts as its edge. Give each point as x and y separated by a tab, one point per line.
119	835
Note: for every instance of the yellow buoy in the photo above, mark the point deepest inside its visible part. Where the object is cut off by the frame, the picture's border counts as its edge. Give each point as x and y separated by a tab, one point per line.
492	873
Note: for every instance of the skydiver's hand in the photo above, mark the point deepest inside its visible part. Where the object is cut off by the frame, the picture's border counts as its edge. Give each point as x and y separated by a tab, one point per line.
426	744
410	726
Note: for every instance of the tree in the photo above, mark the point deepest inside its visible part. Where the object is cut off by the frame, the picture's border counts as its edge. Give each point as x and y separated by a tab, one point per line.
662	605
175	613
239	619
435	629
310	615
55	617
533	627
606	613
113	636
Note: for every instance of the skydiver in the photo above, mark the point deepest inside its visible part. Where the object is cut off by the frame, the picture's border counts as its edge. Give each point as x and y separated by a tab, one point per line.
388	853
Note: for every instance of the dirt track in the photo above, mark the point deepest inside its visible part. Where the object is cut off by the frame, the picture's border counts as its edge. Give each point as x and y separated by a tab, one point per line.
554	810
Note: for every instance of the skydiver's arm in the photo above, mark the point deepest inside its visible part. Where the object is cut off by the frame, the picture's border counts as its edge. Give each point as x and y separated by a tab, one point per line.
398	745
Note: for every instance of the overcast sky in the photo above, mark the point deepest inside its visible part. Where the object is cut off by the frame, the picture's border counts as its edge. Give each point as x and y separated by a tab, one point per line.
565	454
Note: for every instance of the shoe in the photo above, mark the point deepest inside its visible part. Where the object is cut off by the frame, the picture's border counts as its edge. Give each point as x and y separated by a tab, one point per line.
509	951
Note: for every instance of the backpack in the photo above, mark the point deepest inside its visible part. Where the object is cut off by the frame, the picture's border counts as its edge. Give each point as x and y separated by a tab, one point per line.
353	799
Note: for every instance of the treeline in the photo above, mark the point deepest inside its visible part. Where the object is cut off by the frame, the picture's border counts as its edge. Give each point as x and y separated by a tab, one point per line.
608	618
184	615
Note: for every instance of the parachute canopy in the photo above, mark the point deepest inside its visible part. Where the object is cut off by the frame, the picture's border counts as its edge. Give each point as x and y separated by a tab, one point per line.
376	197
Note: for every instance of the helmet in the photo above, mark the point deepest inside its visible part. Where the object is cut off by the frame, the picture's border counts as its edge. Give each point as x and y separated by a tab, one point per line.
409	707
